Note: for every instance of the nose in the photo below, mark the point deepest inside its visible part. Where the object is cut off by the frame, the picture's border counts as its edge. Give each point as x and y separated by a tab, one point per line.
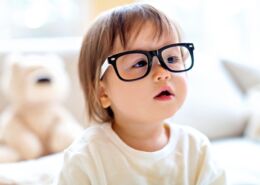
159	73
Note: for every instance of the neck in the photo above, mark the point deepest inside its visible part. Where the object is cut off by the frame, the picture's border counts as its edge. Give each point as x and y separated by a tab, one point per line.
145	137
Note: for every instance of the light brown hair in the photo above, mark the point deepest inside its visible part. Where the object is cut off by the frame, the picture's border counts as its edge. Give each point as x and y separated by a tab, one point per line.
124	22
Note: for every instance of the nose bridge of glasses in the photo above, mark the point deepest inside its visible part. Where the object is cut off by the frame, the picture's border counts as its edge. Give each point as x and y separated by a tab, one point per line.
154	53
158	59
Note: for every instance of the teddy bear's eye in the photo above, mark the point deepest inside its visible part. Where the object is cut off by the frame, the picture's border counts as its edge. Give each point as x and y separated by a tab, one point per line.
43	80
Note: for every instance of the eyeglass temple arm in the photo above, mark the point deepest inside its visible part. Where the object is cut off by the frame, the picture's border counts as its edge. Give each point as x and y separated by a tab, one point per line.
104	67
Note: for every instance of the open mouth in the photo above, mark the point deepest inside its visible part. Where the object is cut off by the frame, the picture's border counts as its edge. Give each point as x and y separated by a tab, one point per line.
165	94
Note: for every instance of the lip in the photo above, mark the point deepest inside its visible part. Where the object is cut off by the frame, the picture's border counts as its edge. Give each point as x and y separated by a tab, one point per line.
168	89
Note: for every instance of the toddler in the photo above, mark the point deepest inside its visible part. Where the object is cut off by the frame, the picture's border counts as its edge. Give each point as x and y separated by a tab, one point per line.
132	69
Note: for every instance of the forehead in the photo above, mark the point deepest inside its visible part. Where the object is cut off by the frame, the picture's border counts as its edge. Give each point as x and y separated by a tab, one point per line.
147	36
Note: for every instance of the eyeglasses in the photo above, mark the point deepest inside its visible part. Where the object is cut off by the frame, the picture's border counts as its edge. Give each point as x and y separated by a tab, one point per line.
136	64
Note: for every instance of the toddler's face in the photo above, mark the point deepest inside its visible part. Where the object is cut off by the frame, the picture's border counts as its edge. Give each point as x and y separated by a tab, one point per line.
151	99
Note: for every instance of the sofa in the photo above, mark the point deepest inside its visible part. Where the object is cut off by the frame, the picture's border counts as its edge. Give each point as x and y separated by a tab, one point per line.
220	103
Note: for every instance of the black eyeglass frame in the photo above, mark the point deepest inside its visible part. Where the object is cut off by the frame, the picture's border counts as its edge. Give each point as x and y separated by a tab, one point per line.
150	54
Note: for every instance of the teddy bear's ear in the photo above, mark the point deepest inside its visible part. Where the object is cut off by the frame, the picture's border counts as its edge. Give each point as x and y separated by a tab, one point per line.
10	67
12	63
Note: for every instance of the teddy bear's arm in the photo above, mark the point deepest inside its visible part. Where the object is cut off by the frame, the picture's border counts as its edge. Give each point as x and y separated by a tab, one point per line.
64	132
8	154
21	139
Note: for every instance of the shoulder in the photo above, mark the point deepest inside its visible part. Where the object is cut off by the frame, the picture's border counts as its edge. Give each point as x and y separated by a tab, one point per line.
187	131
88	139
188	136
83	152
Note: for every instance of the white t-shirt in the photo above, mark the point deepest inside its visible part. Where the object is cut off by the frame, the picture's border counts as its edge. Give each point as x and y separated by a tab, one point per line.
100	157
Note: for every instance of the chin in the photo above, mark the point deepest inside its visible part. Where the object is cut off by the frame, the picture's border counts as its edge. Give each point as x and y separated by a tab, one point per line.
162	115
169	111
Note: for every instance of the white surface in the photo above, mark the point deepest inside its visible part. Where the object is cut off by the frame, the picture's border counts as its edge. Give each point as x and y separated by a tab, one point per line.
240	158
32	172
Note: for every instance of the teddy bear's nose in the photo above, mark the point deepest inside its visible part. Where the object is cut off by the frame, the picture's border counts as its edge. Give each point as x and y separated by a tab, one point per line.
43	80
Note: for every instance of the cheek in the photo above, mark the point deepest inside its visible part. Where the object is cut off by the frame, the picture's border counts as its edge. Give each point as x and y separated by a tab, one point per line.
117	90
181	87
122	95
125	96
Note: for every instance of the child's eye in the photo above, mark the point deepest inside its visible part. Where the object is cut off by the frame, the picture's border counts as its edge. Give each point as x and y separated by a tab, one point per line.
172	59
141	63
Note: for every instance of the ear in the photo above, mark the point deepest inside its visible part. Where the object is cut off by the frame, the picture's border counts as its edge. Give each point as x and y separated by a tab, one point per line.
103	97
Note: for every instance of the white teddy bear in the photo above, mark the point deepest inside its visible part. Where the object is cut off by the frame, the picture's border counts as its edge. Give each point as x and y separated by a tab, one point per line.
35	123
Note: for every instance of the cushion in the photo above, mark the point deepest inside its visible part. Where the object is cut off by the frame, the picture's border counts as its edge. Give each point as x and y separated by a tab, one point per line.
253	102
247	78
244	76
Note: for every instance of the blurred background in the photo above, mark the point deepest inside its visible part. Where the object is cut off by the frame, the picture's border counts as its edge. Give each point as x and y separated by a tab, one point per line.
224	94
229	29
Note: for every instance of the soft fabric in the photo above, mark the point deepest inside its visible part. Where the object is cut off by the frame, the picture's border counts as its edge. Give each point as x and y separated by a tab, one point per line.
240	159
100	157
247	79
253	102
35	123
243	75
31	172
